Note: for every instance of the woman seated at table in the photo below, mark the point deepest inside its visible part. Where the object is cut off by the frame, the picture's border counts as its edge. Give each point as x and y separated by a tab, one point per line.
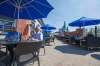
37	34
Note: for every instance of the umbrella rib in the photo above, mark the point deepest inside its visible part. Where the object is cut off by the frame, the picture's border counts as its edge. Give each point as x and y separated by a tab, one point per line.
12	3
28	2
42	4
15	12
18	12
28	12
15	2
3	2
15	5
36	2
20	2
36	10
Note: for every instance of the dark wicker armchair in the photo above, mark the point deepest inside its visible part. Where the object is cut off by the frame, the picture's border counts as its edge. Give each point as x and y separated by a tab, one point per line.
25	48
91	42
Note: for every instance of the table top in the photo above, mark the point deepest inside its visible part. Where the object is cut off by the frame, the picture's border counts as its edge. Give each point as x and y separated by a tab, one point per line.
27	41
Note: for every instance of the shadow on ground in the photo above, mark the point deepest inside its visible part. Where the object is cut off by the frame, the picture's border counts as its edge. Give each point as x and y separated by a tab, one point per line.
71	49
96	56
26	60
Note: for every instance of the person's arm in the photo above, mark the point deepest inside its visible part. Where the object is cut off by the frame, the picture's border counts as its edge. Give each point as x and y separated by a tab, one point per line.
39	36
34	36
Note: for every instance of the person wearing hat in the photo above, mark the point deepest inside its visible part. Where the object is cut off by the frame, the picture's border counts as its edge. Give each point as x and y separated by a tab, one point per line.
37	34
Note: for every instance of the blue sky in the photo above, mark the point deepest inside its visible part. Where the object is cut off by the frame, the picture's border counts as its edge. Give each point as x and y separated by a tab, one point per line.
70	10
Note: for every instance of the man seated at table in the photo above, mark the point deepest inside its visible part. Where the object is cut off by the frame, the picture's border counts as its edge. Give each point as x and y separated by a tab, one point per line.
37	34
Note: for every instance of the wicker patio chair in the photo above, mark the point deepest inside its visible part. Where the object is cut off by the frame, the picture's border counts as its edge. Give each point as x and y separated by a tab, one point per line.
3	60
90	42
25	48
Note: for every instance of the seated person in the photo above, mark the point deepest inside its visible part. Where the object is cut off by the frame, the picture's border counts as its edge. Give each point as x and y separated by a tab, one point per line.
37	34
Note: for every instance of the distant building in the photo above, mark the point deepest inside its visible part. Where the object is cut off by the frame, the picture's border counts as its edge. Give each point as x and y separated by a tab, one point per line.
64	28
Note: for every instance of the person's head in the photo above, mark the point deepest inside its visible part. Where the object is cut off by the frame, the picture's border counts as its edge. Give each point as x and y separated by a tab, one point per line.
37	29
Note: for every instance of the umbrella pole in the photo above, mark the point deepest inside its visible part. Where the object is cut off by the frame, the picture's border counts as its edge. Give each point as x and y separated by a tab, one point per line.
18	11
95	31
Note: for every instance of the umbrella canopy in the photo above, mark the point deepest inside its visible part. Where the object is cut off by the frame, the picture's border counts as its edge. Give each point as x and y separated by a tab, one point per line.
47	31
25	9
47	27
84	22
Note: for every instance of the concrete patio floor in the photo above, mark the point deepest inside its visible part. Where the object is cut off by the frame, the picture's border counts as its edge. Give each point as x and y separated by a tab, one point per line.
66	55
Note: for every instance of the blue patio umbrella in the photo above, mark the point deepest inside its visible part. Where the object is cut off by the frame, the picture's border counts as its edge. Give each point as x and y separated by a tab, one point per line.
47	30
48	27
84	22
25	9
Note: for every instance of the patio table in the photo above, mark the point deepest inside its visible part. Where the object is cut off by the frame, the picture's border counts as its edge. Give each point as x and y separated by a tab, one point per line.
11	45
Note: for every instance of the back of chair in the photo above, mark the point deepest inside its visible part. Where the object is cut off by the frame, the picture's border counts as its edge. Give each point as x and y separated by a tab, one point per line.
91	41
27	47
